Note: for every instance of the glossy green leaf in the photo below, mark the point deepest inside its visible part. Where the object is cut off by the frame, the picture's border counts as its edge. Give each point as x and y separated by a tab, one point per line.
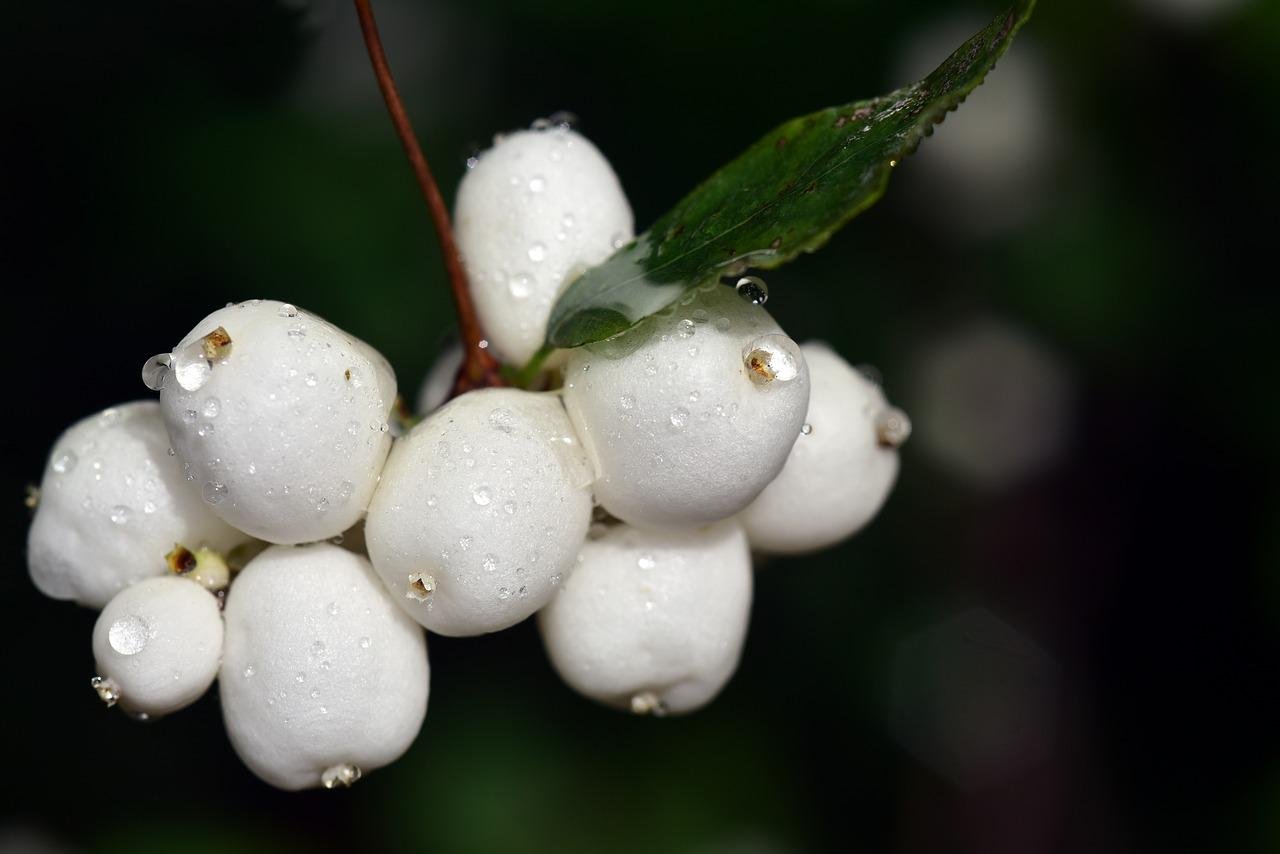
786	194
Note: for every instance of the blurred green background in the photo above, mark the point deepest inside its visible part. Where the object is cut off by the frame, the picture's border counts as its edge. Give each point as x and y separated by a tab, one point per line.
1060	634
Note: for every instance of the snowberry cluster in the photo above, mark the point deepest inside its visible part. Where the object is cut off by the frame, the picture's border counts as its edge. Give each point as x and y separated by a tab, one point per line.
260	525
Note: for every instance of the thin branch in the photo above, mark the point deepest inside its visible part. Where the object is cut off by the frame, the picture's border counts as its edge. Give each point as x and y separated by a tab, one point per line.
479	368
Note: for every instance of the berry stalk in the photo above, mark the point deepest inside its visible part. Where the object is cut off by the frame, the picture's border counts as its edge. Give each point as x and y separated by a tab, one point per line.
479	368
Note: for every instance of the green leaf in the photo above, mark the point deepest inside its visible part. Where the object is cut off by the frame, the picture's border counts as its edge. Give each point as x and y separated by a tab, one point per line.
786	194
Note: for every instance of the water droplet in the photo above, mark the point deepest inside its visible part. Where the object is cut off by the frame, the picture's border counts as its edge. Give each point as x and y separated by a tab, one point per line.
211	407
520	285
753	290
311	380
214	492
510	507
504	593
722	324
480	495
806	429
288	310
490	562
679	417
300	678
537	252
64	462
119	514
685	328
332	610
617	241
190	366
646	561
567	221
693	396
365	642
204	430
156	370
771	358
464	543
502	419
129	635
627	402
537	184
315	694
297	331
249	671
149	507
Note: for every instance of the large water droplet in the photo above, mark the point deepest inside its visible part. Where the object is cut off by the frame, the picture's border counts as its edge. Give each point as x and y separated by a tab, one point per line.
190	367
771	358
129	635
156	370
288	310
753	290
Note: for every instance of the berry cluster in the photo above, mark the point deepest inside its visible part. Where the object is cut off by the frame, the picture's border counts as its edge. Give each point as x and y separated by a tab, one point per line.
266	522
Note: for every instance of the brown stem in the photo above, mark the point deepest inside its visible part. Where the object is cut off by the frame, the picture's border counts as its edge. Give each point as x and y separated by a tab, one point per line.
479	368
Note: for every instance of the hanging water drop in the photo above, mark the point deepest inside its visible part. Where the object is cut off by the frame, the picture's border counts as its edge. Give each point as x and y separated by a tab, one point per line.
753	290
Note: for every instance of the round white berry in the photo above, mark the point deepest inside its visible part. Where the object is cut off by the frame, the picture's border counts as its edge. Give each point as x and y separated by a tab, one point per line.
157	645
538	208
652	621
689	414
436	386
280	418
113	503
481	511
323	678
841	468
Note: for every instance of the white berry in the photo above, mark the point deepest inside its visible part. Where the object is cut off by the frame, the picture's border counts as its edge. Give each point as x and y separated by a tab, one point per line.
481	511
841	468
284	424
538	208
157	645
113	503
652	621
689	414
323	677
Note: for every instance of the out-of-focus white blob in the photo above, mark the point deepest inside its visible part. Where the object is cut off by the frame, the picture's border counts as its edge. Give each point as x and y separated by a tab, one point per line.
689	414
435	388
157	645
481	511
973	699
986	168
280	418
1191	13
323	677
532	213
840	470
652	621
112	503
990	403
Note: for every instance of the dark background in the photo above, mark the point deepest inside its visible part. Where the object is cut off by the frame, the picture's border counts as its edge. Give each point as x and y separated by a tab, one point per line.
1060	635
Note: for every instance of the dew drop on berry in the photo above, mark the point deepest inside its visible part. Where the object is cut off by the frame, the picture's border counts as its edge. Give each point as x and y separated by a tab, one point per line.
211	407
480	495
156	370
679	417
64	462
129	635
288	310
520	285
537	252
119	514
753	290
214	492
